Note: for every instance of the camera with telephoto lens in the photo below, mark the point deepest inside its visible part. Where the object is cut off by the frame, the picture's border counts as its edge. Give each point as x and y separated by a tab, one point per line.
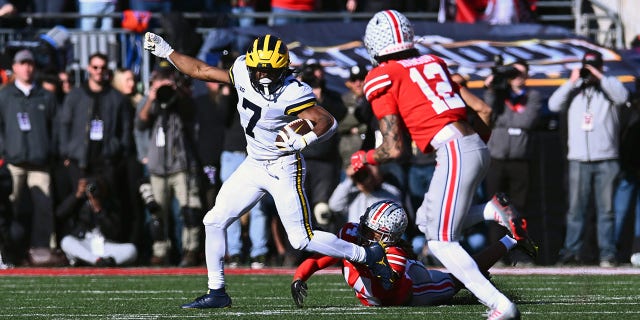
146	194
584	73
92	189
166	96
502	74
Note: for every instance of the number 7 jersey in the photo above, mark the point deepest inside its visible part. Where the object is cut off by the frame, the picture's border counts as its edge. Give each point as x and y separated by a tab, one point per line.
420	91
261	117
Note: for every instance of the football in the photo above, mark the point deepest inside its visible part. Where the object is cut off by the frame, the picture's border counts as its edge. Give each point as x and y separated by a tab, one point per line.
299	126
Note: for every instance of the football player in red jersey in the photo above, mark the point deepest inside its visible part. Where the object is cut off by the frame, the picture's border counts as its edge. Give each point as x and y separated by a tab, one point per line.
413	93
415	285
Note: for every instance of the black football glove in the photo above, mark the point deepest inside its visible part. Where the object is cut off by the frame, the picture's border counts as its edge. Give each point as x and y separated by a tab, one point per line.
298	292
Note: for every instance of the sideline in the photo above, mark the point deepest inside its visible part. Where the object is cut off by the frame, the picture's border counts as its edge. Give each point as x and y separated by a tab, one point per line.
148	271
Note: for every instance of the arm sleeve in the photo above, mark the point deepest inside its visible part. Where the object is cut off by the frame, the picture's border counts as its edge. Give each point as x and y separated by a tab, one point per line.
342	196
559	97
615	90
309	266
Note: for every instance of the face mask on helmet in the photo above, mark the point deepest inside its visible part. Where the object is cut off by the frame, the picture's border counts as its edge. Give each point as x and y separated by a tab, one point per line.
383	221
268	63
387	32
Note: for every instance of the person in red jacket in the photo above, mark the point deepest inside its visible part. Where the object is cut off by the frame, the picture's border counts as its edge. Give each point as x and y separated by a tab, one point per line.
415	285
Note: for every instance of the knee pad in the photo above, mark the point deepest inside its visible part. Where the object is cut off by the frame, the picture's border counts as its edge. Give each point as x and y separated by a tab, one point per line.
192	217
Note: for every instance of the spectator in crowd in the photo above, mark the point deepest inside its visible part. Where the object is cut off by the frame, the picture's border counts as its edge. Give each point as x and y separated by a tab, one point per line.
94	225
66	82
358	191
96	8
323	159
49	81
284	11
95	128
627	197
397	90
27	129
515	110
592	101
125	82
350	129
131	172
243	8
168	112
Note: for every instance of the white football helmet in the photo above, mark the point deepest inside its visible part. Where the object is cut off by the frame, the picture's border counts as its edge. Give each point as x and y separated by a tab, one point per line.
383	221
389	31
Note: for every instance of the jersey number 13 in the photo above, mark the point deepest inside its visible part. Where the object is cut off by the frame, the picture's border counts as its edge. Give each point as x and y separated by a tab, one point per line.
438	91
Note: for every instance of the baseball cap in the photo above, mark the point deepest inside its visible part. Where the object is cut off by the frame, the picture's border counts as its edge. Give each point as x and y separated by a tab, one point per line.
163	70
358	72
593	58
23	55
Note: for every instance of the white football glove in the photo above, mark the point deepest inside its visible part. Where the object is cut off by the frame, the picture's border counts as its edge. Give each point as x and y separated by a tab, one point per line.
156	45
293	141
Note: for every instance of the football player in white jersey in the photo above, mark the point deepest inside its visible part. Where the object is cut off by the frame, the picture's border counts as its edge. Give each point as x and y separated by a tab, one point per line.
269	97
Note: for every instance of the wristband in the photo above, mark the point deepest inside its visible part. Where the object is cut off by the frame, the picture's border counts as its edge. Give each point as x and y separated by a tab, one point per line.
369	159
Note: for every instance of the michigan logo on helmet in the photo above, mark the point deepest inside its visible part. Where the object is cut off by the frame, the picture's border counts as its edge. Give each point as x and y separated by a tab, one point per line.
268	63
387	32
383	221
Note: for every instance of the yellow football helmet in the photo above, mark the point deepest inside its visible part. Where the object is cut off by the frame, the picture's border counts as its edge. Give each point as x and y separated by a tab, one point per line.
268	63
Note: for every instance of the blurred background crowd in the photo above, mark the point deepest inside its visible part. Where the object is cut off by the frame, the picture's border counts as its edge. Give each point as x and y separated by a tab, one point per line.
102	168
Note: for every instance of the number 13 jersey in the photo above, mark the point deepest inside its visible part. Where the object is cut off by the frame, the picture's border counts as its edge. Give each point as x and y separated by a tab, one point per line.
420	91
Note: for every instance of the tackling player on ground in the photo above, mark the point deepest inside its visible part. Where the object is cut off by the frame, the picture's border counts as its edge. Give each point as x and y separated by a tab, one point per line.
416	285
413	93
269	97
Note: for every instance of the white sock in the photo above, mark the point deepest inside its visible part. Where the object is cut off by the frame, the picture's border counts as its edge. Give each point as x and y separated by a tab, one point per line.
215	247
329	244
459	263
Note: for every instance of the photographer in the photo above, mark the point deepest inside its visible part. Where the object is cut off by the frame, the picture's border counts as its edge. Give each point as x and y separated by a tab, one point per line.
168	113
592	101
92	223
360	190
516	110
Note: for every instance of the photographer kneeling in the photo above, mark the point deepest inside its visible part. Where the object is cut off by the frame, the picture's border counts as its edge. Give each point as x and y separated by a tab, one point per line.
94	223
168	113
516	110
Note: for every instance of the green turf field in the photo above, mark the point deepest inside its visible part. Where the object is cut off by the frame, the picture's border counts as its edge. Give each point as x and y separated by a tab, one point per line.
268	297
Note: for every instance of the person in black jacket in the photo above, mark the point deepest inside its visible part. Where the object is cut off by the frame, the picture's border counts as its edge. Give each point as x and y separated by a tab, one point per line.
94	224
95	128
27	114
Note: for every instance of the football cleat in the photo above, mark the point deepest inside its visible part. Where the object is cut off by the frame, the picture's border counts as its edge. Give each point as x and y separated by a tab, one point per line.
377	262
527	246
511	313
507	216
213	299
